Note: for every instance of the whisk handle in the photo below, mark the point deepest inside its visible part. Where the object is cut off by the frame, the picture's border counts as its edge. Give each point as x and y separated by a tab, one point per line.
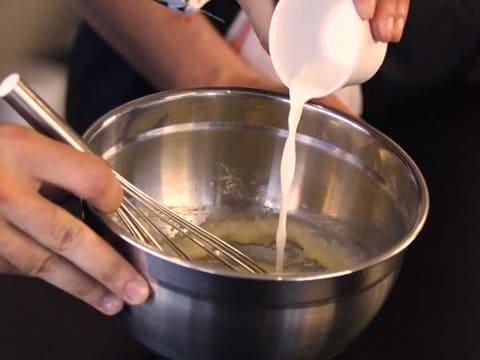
38	113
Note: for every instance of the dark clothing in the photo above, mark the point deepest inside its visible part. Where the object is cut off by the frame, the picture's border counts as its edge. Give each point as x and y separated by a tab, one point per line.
100	79
439	40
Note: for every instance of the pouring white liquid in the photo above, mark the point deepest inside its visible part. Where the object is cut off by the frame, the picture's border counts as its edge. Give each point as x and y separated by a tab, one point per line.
316	79
316	48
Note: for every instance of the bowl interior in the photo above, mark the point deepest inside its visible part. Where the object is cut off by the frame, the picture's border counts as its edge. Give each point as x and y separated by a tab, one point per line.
214	158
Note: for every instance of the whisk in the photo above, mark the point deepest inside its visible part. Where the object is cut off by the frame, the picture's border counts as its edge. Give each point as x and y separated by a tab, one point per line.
137	207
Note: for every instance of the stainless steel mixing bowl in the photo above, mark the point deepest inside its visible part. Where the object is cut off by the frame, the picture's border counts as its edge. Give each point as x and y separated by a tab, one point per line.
217	153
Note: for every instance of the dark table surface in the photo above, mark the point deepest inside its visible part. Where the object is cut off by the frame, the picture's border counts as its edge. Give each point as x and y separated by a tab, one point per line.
432	312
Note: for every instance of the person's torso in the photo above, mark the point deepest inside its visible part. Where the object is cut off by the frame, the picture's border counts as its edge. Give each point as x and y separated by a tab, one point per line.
440	37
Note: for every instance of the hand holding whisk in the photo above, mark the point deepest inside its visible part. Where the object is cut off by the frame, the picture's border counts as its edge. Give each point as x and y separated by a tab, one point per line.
137	206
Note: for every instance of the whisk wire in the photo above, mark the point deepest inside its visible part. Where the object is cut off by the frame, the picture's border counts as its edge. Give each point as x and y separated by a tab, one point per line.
43	118
192	231
124	215
133	216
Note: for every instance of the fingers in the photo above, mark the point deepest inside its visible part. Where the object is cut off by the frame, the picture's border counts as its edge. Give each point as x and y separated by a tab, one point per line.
85	175
389	20
41	239
387	17
67	237
366	8
34	260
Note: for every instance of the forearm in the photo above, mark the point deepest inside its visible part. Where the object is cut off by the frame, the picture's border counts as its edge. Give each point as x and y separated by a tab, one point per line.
173	50
170	49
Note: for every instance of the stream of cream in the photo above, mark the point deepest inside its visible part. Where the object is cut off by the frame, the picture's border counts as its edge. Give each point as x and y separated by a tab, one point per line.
314	80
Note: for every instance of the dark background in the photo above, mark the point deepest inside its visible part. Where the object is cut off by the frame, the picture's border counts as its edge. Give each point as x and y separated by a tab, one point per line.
432	312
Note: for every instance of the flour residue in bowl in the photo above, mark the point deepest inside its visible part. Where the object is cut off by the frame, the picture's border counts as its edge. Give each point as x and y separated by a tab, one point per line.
309	248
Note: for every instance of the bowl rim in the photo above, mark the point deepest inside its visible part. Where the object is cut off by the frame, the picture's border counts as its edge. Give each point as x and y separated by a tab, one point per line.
170	95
